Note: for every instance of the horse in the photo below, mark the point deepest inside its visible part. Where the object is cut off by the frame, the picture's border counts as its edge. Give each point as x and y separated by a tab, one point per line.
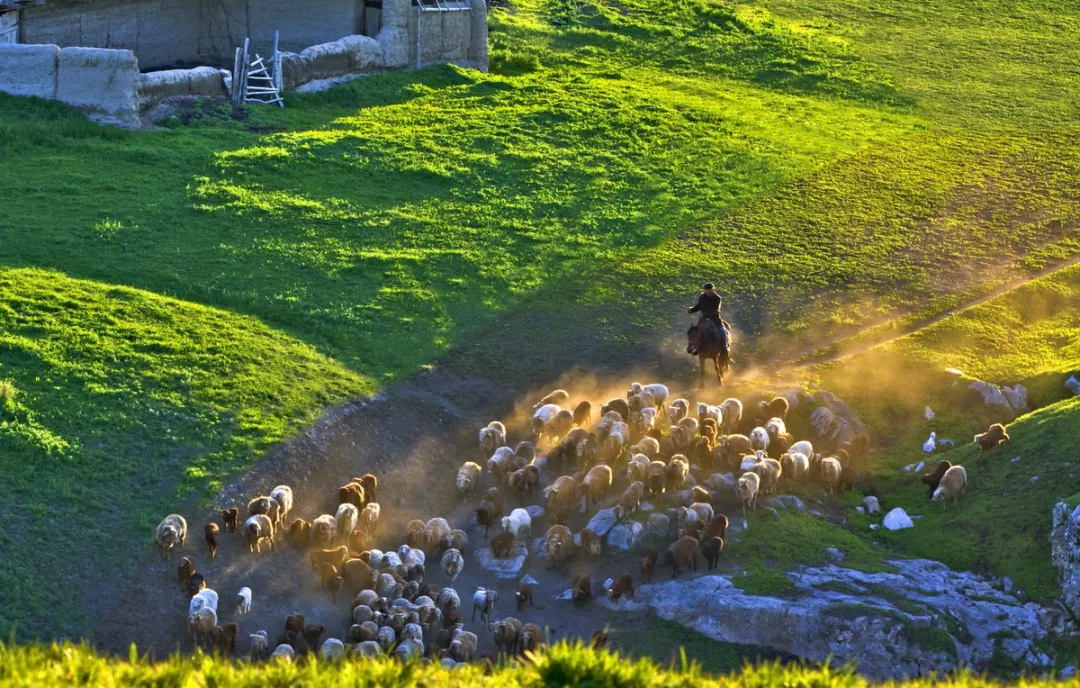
710	345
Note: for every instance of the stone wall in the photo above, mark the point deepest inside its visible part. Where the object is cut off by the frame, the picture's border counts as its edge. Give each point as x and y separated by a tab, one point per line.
225	23
160	32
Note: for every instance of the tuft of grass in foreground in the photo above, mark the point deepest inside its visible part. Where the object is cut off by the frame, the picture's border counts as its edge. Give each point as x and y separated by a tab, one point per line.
557	665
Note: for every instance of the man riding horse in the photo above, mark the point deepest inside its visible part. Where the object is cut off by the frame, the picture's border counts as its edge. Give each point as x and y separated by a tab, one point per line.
708	306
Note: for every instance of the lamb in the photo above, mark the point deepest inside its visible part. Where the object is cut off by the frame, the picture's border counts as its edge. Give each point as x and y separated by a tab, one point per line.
256	529
186	568
323	530
711	549
680	553
777	408
230	517
747	490
676	471
490	511
656	477
506	634
502	544
524	480
334	557
369	518
582	588
618	406
524	594
648	564
492	436
769	471
171	532
992	438
260	646
731	411
201	624
557	542
484	600
830	473
659	392
452	563
698	511
794	466
559	425
243	601
597	482
677	410
541	417
622	584
518	523
583	414
346	519
434	531
283	495
933	478
554	398
759	439
468	480
590	542
263	504
952	485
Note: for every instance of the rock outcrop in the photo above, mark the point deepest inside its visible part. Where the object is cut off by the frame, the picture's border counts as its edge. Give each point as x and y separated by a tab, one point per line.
1065	552
921	618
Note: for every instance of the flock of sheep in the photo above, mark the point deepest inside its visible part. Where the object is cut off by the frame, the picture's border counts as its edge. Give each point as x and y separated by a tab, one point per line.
644	444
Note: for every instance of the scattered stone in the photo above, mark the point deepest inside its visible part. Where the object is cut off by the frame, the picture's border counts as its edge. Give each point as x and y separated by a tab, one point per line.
503	567
897	519
1014	459
787	502
908	468
773	512
834	555
1006	584
1034	478
860	509
626	536
647	506
871	504
529	580
602	522
607	583
954	371
658	524
928	414
1017	397
1072	384
567	594
535	512
991	394
681	497
1067	672
918	468
874	526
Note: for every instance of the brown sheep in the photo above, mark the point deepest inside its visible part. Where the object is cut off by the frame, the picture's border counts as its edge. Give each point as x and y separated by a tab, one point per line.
656	477
932	478
703	454
295	623
598	482
717	527
777	408
560	515
582	588
857	446
992	438
490	511
195	582
623	584
562	492
711	549
358	541
507	633
313	634
414	533
693	529
212	534
779	446
186	568
524	594
680	553
358	575
677	470
847	479
700	494
524	481
583	414
300	534
263	505
617	405
223	638
334	585
734	446
230	517
502	544
457	539
648	564
557	543
353	493
326	572
334	557
370	483
590	543
530	638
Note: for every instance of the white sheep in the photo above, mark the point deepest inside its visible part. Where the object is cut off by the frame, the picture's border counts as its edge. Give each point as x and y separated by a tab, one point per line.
677	410
803	447
542	416
747	490
637	468
452	563
759	438
796	465
731	411
323	530
649	446
468	478
659	392
830	472
256	529
369	518
500	462
698	511
706	411
617	440
346	519
284	652
409	649
434	531
519	523
411	556
171	532
749	462
243	601
491	436
204	599
369	649
775	427
283	495
413	631
952	485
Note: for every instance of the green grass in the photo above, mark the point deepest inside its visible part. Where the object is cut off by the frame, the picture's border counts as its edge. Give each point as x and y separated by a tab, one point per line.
174	301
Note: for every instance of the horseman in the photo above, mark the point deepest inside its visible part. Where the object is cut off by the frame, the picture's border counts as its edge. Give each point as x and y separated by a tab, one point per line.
708	306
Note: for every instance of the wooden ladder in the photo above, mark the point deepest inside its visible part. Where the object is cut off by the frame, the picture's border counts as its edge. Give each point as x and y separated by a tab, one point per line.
254	81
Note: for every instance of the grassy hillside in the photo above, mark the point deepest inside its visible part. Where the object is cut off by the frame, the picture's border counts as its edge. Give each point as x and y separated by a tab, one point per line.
559	665
173	301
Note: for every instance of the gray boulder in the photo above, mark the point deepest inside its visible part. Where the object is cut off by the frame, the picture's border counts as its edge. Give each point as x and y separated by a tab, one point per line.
503	567
658	524
602	522
897	519
1065	552
626	536
871	504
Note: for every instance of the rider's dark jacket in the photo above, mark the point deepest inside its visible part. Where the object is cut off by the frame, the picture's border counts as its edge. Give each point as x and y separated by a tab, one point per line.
708	304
